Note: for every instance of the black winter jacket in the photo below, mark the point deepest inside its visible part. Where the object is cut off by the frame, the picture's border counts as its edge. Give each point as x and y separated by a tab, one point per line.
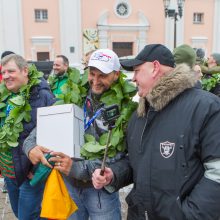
40	96
168	142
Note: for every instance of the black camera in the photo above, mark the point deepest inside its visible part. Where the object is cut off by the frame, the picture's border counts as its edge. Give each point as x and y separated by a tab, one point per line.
110	114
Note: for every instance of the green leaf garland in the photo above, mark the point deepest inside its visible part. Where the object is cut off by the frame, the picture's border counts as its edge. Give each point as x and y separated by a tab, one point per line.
121	93
13	123
209	82
74	90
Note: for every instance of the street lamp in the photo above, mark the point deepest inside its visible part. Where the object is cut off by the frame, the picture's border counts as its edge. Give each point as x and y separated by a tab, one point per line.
172	13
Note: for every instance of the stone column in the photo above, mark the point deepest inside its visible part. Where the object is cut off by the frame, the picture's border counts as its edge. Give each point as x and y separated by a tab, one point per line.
70	30
11	26
216	30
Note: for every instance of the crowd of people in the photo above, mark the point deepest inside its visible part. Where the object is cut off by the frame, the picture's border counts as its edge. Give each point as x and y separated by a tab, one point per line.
167	144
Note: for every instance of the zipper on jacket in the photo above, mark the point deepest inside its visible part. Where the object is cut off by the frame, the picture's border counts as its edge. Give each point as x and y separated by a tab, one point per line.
141	148
146	215
58	84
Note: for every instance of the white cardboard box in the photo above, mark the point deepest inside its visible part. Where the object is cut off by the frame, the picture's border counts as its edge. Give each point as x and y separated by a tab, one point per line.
61	128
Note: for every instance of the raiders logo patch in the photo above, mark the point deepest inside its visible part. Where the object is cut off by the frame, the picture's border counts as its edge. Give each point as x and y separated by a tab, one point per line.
167	149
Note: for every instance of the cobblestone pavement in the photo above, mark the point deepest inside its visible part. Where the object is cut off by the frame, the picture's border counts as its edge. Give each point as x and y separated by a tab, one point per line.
5	208
123	193
7	214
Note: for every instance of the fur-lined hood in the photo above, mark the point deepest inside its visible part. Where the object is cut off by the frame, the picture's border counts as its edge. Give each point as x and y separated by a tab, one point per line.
170	86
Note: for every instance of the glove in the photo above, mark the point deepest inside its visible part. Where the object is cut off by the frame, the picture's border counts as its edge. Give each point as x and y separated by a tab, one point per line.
41	173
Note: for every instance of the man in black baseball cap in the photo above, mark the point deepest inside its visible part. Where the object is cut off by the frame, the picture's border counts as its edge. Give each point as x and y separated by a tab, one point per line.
150	53
172	143
154	58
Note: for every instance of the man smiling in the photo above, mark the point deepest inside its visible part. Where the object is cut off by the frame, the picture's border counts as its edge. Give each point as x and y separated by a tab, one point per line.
103	74
31	92
14	77
60	76
103	71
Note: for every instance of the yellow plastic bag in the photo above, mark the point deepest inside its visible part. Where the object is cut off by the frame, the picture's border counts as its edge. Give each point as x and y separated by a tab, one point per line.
57	203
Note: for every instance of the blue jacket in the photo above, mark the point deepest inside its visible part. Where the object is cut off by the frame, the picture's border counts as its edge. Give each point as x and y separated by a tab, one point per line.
40	96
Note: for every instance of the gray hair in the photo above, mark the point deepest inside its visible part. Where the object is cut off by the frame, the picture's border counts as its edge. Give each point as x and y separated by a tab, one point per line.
19	61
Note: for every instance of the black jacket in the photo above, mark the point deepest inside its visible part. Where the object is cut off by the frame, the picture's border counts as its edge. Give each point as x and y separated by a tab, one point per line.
168	142
216	90
40	96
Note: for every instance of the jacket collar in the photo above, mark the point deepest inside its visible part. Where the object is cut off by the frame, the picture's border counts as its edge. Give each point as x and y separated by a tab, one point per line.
168	87
43	85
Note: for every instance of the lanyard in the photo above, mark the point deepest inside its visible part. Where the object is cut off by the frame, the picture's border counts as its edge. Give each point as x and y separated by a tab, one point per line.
87	124
8	109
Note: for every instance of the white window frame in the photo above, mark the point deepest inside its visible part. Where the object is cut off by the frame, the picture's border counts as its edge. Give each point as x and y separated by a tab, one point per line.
198	18
41	15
